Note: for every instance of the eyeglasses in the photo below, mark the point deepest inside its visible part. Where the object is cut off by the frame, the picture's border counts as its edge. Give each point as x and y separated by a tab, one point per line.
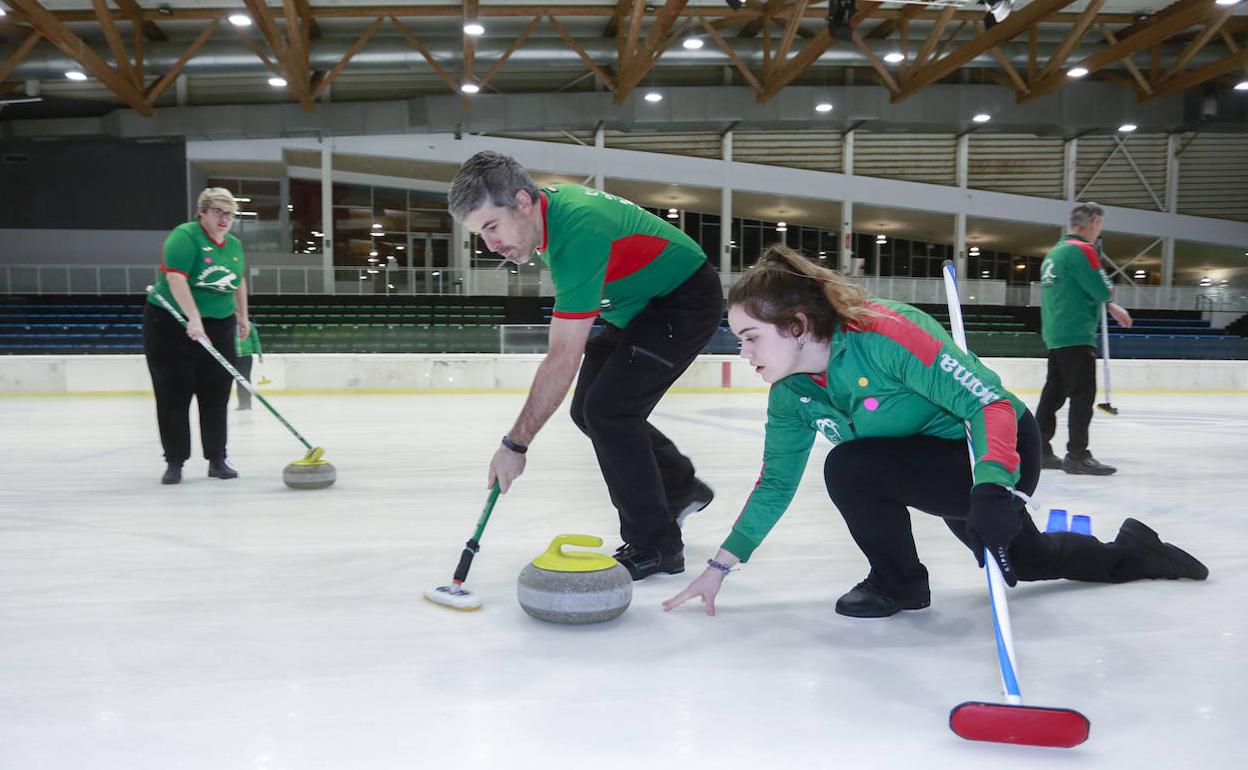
219	212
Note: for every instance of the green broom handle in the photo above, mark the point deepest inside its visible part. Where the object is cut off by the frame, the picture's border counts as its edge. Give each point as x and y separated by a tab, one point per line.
237	375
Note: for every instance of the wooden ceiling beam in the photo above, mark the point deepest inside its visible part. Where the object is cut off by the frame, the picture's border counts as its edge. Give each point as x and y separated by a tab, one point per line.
741	66
1073	38
1144	86
601	73
933	37
785	73
1147	34
515	44
22	50
148	27
1192	78
1220	17
167	79
77	49
114	41
359	44
414	42
1015	23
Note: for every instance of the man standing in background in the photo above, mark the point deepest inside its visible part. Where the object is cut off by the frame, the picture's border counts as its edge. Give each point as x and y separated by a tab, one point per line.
1075	286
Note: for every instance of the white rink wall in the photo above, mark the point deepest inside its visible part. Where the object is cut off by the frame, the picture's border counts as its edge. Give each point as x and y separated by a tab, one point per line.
488	371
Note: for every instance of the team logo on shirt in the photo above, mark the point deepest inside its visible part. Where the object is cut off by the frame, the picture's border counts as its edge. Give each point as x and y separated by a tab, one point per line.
217	278
828	427
961	374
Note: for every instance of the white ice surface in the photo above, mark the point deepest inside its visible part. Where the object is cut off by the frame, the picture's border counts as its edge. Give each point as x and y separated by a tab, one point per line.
239	624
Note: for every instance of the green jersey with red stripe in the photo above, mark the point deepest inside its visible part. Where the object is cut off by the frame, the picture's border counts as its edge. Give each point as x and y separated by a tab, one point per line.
608	255
1074	288
213	270
896	373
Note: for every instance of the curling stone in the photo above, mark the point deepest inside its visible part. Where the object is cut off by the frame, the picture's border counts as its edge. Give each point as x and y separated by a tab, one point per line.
574	587
311	472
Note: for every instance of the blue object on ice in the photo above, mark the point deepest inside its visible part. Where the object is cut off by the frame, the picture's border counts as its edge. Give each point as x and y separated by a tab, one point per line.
1081	525
1057	520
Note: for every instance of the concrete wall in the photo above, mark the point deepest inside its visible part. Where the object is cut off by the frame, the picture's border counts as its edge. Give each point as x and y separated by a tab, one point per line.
318	372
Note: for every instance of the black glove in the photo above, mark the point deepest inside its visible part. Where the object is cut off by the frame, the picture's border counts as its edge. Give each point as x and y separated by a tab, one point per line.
992	523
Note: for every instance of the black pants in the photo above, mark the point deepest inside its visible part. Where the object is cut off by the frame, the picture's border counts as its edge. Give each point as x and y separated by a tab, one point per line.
243	365
1072	374
872	481
181	368
624	374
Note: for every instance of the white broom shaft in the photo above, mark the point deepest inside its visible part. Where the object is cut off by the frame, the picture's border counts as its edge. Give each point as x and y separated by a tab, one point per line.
1105	349
996	582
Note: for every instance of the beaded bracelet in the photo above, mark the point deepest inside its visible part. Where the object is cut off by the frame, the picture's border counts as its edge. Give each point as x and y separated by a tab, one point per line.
719	565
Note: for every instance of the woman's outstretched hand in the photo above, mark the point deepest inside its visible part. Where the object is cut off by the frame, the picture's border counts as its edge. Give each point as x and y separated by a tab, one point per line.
705	585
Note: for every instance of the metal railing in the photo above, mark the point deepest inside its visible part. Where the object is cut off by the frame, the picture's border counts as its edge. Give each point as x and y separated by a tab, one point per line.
1204	298
382	281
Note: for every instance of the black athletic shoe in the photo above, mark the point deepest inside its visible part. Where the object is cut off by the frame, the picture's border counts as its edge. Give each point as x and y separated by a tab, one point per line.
642	564
173	474
702	497
867	601
220	469
1169	561
1088	466
1051	462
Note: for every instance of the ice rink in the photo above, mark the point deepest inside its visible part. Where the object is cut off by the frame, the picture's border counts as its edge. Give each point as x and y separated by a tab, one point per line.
239	624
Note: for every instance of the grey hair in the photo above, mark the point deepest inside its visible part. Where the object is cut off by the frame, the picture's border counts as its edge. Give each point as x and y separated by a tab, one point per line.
1084	213
488	177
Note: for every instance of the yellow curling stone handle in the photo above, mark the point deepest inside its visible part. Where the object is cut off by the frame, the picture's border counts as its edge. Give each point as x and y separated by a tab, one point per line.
555	559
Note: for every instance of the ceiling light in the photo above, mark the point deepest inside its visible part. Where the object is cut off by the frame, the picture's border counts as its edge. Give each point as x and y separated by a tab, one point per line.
1242	85
692	43
984	274
76	75
474	28
1076	72
2	12
823	107
470	88
1127	128
240	19
894	57
982	117
277	82
654	97
372	253
1226	2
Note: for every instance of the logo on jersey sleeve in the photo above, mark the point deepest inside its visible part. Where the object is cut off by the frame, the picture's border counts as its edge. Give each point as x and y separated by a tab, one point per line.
217	278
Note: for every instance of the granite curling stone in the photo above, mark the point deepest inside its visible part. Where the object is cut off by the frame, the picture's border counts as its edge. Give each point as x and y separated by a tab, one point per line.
311	472
574	587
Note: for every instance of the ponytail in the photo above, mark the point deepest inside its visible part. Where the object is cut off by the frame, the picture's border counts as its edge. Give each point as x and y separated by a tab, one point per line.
784	283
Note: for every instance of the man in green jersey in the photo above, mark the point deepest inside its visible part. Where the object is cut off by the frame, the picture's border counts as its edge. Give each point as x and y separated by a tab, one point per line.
661	302
1075	287
203	273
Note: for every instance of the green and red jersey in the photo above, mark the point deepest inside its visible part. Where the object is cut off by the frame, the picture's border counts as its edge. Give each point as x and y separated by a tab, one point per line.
896	373
1074	288
608	255
214	270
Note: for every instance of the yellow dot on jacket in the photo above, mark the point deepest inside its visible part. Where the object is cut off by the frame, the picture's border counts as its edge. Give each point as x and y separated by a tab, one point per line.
863	382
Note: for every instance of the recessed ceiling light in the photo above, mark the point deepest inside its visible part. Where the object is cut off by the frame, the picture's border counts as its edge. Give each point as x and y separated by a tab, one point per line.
1227	2
823	107
474	28
470	88
1242	85
76	75
1127	128
1076	72
982	117
692	43
654	97
277	82
240	19
894	57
